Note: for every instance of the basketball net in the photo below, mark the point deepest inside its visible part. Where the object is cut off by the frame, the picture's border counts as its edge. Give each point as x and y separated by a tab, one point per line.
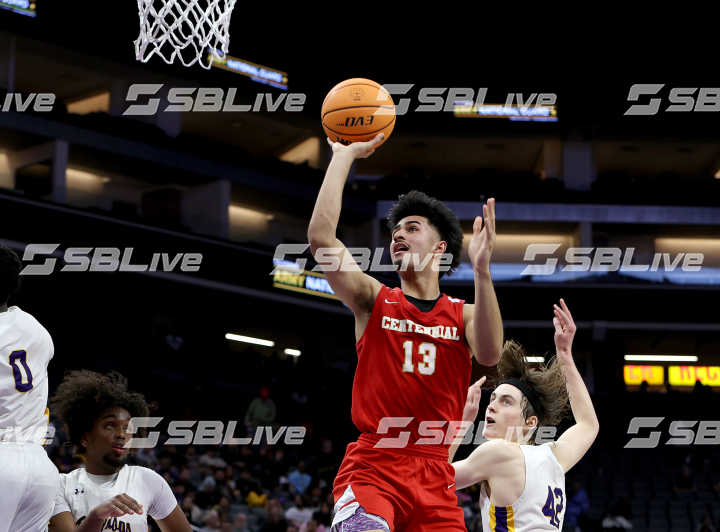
184	29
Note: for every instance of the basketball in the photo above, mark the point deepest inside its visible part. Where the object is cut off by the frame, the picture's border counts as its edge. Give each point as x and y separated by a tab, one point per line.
356	110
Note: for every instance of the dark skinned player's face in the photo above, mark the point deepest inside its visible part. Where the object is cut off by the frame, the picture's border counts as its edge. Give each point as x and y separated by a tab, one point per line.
106	440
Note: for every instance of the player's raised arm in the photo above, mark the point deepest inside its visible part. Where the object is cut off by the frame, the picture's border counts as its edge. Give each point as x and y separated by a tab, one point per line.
470	412
576	440
355	288
484	328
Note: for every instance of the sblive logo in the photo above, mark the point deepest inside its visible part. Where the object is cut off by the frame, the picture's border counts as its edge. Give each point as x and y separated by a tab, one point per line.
104	260
436	99
335	259
209	433
450	432
682	99
206	100
682	432
592	259
41	102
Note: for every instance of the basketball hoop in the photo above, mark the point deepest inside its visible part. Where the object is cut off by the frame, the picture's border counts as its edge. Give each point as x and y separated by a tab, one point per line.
191	30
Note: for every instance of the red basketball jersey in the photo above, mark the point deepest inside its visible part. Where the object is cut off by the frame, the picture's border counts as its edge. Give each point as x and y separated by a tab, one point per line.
411	364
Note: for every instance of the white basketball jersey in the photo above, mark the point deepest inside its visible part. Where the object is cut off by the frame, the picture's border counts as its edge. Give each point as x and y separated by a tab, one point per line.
25	352
541	506
80	492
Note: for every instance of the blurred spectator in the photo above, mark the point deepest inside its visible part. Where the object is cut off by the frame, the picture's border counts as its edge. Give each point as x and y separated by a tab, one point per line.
684	486
299	479
313	526
578	504
191	510
261	411
323	515
211	458
256	500
706	525
276	521
212	522
240	523
299	513
618	516
223	509
326	464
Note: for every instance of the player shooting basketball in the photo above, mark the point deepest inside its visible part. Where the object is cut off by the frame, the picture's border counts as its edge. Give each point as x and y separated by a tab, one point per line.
107	494
414	348
523	486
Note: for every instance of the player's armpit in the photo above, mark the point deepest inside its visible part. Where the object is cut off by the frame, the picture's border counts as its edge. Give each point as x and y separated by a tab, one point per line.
489	460
62	522
175	522
572	445
354	287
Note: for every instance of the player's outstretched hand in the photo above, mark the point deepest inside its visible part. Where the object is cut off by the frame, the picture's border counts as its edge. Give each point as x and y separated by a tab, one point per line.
358	150
472	404
483	238
564	331
118	506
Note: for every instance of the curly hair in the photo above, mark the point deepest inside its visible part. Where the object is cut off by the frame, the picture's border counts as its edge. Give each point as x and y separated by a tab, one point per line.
416	203
547	381
10	267
83	395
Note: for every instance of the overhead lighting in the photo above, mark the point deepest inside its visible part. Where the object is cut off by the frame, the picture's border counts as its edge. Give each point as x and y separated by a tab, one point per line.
292	352
249	340
531	360
661	358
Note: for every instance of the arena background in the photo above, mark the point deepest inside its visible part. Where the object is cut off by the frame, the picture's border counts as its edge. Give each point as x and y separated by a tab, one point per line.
232	186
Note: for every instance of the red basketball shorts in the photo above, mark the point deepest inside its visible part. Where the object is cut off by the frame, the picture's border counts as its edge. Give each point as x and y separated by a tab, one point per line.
412	488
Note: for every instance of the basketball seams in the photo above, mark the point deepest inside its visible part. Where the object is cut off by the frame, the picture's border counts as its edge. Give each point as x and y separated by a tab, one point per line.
336	88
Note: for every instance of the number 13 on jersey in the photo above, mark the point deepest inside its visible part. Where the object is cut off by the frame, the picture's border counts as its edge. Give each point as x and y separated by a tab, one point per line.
427	350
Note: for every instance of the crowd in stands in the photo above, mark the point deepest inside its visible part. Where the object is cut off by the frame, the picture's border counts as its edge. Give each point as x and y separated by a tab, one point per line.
288	488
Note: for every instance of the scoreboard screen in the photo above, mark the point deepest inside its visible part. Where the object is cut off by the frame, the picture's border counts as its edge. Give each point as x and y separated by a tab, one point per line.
23	7
259	73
